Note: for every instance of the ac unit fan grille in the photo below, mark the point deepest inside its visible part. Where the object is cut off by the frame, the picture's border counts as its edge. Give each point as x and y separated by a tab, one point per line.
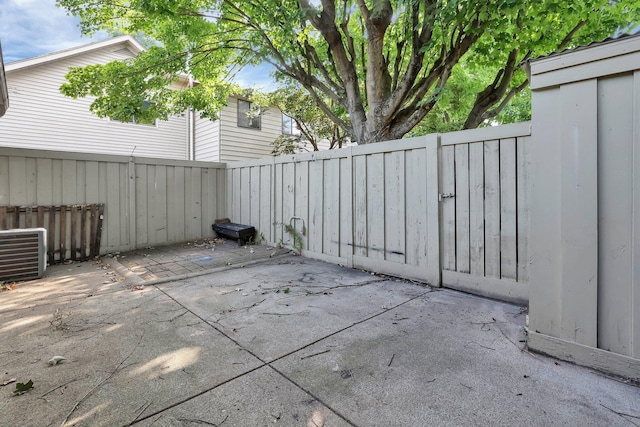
21	254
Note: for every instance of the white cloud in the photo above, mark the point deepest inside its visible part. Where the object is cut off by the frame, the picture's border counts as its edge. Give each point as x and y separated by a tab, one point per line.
34	27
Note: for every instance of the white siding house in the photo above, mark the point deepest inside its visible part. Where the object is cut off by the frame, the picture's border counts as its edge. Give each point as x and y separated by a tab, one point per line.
42	118
230	139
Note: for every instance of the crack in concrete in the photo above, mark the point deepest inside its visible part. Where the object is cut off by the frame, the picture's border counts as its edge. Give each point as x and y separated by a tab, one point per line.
264	363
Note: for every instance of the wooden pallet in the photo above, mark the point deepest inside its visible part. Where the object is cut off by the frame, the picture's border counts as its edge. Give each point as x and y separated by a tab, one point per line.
73	231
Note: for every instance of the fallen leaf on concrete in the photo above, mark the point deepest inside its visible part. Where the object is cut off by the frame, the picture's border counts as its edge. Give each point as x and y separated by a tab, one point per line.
8	381
23	388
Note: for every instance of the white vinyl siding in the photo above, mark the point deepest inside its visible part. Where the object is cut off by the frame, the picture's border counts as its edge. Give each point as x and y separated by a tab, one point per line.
238	143
207	140
40	117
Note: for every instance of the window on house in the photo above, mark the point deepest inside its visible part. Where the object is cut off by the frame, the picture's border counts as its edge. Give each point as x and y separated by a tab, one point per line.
248	115
287	125
137	120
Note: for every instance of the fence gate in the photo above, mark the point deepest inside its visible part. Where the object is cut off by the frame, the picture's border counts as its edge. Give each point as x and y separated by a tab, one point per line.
73	231
485	212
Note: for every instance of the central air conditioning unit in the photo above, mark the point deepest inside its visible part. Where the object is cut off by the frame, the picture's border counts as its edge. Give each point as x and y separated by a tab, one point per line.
23	254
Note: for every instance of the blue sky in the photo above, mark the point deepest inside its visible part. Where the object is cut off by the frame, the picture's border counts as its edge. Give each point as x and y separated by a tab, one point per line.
34	27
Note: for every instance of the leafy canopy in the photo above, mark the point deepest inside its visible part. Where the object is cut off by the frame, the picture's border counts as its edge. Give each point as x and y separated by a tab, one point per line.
375	68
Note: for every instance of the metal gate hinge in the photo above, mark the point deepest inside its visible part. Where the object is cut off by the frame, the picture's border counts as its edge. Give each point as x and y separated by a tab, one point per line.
445	196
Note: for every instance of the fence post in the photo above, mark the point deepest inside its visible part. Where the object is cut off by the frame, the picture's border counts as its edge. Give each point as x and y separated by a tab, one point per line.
131	201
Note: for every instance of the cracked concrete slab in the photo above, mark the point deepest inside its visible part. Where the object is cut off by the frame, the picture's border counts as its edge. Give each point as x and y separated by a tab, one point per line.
128	353
290	342
275	308
452	359
260	398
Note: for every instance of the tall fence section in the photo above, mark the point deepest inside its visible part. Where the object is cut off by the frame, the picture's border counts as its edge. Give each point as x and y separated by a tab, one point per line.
136	202
450	209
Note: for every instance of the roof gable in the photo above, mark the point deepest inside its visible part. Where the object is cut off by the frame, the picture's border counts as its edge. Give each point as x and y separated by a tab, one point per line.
127	41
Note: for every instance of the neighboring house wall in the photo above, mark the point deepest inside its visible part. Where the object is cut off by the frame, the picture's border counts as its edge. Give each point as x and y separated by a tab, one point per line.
239	143
207	139
42	118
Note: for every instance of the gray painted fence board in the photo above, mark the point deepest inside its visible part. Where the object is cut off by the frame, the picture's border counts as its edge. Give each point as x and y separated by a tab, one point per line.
345	220
331	211
524	206
254	200
44	181
492	208
288	201
462	207
160	198
316	206
360	206
508	225
266	199
375	206
615	211
476	208
5	192
277	210
448	209
416	208
244	194
394	212
142	219
31	165
579	207
433	211
17	182
179	219
302	200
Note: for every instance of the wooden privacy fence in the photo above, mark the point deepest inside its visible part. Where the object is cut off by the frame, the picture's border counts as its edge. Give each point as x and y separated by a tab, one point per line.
73	232
448	209
145	202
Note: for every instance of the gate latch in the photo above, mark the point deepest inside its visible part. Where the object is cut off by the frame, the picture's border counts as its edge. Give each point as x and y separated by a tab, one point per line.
445	196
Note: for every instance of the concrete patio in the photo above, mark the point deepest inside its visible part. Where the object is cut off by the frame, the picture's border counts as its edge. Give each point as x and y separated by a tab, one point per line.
262	338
